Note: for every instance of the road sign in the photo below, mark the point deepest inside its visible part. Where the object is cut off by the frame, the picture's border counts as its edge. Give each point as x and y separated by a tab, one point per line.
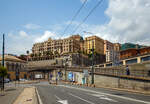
85	73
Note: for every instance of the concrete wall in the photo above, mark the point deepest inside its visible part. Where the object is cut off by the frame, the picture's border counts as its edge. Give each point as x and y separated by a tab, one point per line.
116	82
113	82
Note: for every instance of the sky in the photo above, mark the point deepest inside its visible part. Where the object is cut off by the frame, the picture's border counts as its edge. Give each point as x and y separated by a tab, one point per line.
26	22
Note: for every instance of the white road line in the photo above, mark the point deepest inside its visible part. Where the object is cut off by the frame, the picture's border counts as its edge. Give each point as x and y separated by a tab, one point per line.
104	97
39	99
126	98
57	97
81	98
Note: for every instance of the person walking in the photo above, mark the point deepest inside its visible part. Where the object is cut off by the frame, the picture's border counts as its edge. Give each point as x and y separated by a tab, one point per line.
127	70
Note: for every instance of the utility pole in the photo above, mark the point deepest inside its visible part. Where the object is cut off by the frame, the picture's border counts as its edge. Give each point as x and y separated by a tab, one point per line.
65	72
66	60
3	56
92	71
3	50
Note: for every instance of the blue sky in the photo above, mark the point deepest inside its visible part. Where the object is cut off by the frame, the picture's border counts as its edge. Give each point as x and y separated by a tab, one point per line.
28	21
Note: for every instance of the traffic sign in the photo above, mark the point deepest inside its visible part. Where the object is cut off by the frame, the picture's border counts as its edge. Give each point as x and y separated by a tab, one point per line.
85	73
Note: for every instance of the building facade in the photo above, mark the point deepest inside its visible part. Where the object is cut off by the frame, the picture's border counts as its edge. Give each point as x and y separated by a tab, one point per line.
94	42
57	47
15	67
51	48
129	53
111	50
108	50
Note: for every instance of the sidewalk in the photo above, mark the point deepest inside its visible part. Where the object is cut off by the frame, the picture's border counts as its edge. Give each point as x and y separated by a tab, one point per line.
10	95
28	96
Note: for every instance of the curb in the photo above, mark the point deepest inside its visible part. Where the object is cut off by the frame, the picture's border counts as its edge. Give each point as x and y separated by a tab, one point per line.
38	97
118	89
127	90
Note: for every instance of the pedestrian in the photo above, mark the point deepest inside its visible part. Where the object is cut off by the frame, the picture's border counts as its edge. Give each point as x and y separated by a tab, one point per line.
127	70
51	76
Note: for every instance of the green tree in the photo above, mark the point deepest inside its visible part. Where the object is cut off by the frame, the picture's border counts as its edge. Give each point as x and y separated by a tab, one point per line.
3	73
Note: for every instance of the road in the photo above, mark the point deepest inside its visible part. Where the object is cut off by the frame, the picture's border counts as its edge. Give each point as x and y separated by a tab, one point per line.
71	94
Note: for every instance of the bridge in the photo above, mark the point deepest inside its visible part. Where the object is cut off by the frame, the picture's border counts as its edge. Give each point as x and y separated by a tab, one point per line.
49	66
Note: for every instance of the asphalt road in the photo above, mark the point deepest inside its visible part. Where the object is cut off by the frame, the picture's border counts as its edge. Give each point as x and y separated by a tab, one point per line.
67	94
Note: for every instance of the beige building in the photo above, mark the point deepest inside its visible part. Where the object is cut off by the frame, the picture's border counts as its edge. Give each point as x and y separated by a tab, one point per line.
111	50
72	44
14	65
108	46
94	42
61	46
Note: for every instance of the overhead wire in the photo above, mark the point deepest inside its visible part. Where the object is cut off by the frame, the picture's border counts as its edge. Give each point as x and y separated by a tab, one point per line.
92	10
73	18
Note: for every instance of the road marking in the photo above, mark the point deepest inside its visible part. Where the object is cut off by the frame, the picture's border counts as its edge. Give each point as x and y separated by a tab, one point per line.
126	98
61	101
39	98
103	97
81	98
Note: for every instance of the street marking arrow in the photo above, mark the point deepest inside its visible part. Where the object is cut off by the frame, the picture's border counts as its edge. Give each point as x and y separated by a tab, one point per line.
61	101
104	97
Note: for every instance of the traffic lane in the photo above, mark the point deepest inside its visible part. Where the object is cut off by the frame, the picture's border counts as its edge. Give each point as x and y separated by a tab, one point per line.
125	94
46	94
119	93
63	94
87	97
54	95
74	96
77	96
106	96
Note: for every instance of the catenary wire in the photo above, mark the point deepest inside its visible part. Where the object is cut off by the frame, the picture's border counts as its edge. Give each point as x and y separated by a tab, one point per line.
92	10
73	18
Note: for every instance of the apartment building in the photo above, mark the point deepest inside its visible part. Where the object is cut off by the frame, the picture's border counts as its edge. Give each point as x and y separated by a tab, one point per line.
94	42
111	50
61	46
72	44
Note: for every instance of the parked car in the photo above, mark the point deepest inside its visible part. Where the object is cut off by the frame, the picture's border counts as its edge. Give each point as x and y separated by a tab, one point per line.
21	79
6	80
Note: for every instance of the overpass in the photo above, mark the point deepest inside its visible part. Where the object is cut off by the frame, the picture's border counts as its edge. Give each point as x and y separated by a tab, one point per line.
49	66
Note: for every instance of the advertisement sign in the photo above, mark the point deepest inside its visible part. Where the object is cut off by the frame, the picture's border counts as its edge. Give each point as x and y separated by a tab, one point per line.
70	76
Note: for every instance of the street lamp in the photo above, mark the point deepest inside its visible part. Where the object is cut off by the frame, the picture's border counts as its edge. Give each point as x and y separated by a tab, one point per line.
92	70
65	63
27	55
3	56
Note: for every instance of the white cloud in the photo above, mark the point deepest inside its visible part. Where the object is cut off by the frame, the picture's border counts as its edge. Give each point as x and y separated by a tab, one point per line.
45	36
19	42
23	33
32	26
129	20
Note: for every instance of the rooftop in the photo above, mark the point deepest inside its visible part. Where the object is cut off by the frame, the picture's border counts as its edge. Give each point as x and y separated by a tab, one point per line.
11	58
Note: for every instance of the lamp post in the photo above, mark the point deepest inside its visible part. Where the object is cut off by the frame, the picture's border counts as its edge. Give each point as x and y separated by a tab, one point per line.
92	70
3	56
